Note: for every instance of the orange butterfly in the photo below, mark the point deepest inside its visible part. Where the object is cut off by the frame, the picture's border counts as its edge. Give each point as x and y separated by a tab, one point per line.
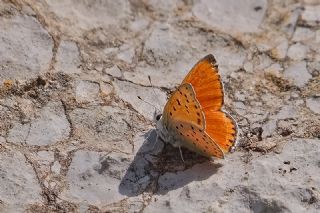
193	118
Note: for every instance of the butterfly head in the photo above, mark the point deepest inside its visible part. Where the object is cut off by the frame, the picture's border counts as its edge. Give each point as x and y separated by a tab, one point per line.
157	119
162	131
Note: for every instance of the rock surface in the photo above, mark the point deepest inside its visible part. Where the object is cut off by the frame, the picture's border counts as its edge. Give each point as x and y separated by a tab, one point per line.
75	137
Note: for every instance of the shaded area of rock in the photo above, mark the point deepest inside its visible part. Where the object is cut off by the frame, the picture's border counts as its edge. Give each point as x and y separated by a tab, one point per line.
241	185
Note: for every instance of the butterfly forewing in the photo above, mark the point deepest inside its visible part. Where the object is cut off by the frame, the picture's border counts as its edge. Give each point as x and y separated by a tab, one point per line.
205	80
222	129
183	107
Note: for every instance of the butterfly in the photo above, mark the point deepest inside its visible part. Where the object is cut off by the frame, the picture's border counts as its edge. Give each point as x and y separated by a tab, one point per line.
193	117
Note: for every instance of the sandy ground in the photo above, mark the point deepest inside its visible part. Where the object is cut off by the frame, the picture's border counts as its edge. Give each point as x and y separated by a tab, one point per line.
74	135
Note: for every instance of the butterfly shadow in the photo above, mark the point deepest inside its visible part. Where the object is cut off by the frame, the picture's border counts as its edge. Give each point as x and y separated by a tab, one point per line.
158	168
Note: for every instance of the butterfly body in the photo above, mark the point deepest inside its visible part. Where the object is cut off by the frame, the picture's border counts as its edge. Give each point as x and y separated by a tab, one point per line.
193	118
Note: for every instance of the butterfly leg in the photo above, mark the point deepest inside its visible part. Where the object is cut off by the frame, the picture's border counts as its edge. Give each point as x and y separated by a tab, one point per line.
181	154
154	144
147	138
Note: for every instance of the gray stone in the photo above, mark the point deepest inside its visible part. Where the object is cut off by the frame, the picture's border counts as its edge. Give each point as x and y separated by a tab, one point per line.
286	112
2	139
292	16
113	71
313	104
126	53
107	127
274	69
318	36
248	66
139	25
311	14
269	128
303	34
18	133
45	157
86	91
94	178
68	58
273	172
297	52
26	54
262	62
240	107
241	189
280	51
229	59
163	45
231	16
88	15
129	92
55	168
163	7
19	186
191	190
50	126
298	73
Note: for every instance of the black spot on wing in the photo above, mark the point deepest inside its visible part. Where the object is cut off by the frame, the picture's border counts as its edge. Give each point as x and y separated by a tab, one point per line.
199	121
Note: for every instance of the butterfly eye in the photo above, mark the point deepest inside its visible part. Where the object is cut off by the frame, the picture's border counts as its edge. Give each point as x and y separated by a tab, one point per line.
158	117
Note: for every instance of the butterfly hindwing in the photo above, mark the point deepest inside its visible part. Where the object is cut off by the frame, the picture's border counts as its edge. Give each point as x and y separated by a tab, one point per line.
196	139
185	121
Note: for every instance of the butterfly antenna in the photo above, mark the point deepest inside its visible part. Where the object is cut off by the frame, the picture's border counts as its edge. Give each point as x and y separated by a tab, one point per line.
152	86
154	144
147	102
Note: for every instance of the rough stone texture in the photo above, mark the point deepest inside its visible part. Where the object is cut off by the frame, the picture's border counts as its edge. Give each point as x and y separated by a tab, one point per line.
313	103
250	191
234	16
86	91
75	137
19	185
68	59
298	73
94	177
25	46
311	14
297	52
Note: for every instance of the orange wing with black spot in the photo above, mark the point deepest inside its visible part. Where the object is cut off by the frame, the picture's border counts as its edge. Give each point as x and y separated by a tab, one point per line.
205	80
